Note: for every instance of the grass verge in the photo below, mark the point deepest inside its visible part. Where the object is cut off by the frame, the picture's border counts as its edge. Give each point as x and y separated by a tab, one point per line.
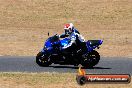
48	80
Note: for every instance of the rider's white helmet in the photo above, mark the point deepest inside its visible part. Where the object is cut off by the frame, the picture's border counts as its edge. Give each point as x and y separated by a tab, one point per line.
68	28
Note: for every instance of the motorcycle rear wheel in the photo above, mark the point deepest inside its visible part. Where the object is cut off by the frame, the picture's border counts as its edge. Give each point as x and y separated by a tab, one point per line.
91	59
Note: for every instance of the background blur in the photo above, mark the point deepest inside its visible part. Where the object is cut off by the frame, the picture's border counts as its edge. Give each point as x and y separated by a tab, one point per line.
24	24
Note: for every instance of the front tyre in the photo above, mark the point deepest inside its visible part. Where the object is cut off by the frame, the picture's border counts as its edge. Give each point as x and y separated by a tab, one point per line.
91	59
42	60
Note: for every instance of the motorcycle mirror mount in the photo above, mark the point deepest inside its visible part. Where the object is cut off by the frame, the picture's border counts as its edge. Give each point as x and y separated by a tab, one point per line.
48	33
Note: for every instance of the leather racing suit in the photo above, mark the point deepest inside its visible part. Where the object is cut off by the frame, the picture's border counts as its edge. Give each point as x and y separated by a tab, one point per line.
74	36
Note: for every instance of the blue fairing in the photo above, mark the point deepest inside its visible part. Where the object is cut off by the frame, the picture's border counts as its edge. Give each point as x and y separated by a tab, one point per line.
49	44
64	42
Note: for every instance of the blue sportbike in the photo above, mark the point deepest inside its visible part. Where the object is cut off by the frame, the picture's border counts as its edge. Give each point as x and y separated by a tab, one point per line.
83	53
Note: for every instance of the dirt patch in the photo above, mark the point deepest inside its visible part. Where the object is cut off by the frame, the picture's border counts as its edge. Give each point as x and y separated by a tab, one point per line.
48	80
24	24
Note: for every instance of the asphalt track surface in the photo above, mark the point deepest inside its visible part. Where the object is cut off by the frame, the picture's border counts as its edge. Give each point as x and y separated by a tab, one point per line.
106	65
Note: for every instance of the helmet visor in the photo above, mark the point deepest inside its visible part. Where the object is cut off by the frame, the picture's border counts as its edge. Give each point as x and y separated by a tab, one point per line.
66	31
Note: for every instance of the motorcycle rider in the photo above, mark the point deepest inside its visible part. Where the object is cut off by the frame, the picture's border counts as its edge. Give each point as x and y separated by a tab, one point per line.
72	33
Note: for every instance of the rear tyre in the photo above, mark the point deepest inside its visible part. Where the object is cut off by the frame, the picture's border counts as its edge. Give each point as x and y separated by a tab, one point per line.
91	59
42	60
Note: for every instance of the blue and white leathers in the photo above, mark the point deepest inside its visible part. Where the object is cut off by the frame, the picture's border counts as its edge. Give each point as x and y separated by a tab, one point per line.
72	37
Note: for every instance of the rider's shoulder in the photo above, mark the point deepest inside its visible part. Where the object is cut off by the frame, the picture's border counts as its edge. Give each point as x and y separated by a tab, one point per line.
76	31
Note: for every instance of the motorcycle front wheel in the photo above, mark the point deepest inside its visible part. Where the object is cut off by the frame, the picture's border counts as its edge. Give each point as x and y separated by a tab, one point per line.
42	60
